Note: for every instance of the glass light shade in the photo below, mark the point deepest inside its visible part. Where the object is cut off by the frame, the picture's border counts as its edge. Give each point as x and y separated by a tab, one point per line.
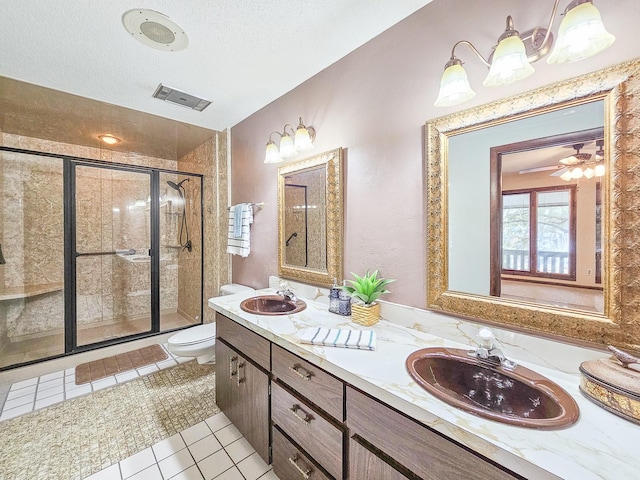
509	63
600	170
287	148
589	172
303	139
566	176
581	35
577	173
454	87
109	139
272	154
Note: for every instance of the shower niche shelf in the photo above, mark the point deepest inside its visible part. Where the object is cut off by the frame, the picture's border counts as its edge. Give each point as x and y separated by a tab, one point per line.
26	291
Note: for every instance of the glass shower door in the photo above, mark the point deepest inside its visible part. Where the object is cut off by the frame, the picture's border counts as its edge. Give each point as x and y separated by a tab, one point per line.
113	245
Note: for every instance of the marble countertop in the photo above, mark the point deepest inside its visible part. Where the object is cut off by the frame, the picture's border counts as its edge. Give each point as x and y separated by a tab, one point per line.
599	446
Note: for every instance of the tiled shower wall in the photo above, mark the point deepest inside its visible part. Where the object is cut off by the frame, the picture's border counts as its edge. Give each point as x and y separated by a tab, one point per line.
40	242
3	310
209	159
32	240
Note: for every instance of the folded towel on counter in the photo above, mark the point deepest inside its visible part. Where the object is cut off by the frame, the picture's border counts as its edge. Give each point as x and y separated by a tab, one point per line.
339	337
240	245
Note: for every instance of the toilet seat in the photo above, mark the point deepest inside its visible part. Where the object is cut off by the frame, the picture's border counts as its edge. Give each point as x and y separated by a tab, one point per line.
194	335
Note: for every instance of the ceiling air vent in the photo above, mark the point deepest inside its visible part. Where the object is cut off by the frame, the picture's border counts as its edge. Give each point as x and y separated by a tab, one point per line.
155	30
172	95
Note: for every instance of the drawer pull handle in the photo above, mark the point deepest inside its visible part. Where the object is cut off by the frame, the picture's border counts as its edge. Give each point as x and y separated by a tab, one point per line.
306	419
297	370
232	360
306	473
240	377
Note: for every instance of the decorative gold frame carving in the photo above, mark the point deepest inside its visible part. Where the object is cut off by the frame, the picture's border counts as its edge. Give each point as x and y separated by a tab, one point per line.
619	87
332	160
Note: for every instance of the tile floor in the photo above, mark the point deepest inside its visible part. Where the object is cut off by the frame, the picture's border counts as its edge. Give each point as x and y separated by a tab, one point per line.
213	449
39	392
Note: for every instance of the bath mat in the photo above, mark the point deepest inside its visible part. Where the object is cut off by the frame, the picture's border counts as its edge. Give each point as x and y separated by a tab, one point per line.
81	436
105	367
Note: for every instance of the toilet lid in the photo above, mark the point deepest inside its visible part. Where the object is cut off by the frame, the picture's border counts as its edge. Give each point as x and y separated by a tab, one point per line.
192	335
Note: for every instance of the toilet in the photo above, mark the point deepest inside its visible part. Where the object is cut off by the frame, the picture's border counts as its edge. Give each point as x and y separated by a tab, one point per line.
200	341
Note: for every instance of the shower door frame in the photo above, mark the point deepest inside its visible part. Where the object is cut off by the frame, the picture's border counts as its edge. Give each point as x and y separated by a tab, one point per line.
71	256
71	320
70	308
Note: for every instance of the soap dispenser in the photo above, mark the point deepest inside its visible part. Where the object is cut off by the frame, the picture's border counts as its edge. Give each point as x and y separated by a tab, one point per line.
344	301
334	294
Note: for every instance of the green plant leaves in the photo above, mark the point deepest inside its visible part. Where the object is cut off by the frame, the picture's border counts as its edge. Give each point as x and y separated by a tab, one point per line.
367	288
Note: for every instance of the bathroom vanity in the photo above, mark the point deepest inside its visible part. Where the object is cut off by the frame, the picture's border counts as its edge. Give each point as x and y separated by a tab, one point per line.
339	413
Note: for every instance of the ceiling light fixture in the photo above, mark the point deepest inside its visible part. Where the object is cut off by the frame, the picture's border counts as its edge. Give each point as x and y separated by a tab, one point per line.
581	35
109	139
302	140
580	165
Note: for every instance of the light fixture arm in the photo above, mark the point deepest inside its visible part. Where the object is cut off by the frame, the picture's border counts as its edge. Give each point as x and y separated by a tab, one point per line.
545	45
453	60
277	133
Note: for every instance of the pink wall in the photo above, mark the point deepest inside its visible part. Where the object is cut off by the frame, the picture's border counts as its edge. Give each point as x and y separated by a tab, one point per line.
374	103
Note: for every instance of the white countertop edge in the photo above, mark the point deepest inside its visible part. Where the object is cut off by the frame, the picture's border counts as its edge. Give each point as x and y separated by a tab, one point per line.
507	445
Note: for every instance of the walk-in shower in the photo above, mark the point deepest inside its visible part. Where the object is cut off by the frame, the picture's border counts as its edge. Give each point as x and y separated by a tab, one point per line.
95	253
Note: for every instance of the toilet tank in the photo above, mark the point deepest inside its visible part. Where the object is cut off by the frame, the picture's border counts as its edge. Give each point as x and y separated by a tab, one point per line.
233	288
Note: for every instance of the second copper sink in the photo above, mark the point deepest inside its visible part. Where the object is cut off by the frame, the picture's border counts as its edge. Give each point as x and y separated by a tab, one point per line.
519	397
272	305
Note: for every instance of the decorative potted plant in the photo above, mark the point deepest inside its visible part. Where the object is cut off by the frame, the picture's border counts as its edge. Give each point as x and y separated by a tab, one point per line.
366	290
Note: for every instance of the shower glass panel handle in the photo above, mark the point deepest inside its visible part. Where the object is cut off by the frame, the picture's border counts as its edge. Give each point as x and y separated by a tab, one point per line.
112	257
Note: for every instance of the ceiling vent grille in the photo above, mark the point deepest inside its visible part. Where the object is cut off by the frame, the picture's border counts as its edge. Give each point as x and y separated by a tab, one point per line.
155	30
172	95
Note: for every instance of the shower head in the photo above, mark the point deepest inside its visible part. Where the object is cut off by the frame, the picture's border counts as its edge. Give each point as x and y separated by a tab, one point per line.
176	186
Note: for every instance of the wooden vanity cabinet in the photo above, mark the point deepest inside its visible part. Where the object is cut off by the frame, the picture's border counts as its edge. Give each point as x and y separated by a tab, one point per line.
321	428
407	447
307	404
242	385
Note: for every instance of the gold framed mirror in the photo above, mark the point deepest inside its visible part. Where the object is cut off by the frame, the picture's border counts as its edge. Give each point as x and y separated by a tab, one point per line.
615	92
310	219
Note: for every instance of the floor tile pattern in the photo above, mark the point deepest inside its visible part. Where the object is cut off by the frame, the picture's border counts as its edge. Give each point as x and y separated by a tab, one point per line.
212	449
39	392
79	437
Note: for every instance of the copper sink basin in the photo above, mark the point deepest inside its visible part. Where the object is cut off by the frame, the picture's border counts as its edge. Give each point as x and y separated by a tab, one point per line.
519	397
272	305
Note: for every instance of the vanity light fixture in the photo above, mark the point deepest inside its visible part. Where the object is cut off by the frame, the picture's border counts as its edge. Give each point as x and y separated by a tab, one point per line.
109	139
581	35
302	140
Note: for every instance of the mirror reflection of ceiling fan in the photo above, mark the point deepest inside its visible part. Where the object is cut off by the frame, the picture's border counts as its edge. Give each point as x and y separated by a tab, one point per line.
577	165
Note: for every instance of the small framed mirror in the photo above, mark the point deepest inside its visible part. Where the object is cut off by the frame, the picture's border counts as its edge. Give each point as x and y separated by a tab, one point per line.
310	219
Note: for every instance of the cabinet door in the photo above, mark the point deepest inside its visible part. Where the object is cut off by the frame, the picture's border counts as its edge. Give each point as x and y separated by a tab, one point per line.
252	385
226	361
364	465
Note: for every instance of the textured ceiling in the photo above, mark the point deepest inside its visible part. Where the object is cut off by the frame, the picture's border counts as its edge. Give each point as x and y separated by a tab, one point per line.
242	55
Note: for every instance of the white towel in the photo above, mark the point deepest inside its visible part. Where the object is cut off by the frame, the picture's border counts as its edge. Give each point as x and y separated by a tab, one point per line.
237	220
240	245
339	337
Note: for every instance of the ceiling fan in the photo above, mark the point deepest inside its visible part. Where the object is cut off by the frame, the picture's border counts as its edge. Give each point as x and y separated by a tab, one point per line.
571	167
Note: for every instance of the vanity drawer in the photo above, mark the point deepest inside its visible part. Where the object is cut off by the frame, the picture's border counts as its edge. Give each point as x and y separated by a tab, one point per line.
415	447
290	463
310	381
308	428
244	340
